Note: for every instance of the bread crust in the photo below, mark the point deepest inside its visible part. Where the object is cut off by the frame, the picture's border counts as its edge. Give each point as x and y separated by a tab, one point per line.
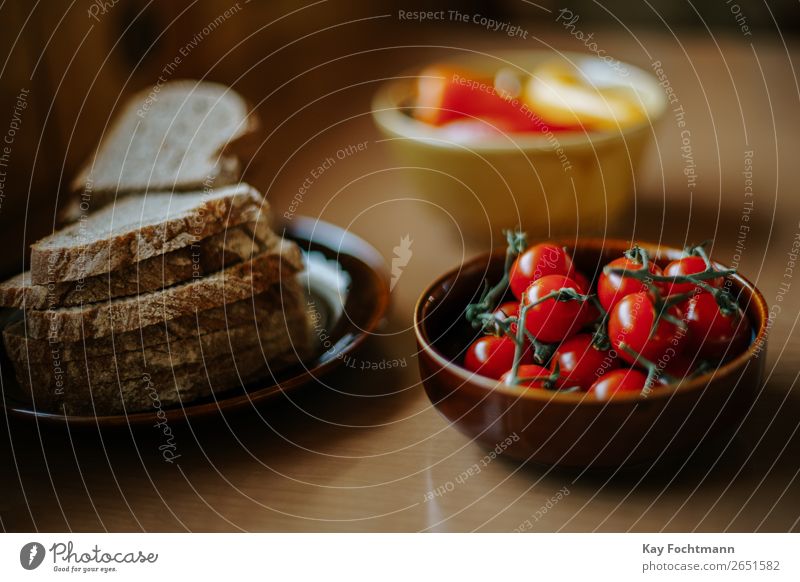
209	255
287	298
95	246
270	330
144	390
249	341
129	313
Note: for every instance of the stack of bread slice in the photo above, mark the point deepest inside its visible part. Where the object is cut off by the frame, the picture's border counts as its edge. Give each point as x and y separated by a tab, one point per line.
156	299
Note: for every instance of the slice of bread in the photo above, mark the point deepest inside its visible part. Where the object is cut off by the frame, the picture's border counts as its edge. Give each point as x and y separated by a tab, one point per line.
179	135
129	313
237	244
137	228
148	390
273	331
253	338
285	299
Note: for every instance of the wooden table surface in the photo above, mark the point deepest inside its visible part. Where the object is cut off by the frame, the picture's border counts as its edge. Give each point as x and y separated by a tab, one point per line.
364	451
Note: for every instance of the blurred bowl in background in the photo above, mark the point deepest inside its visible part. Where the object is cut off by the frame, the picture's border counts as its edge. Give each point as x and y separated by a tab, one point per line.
559	182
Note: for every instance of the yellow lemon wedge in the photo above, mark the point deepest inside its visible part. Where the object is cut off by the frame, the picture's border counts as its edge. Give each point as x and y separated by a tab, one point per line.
565	96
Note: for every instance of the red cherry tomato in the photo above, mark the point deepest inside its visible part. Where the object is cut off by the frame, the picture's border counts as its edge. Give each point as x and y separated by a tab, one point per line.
679	367
712	334
580	363
687	266
612	288
631	322
536	262
506	310
623	380
491	356
581	280
589	313
529	371
551	320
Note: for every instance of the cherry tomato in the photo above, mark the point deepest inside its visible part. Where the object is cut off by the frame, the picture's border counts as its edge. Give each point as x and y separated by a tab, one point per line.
623	380
506	310
536	262
612	288
631	322
529	371
679	367
687	266
551	320
580	363
491	356
581	280
589	313
712	334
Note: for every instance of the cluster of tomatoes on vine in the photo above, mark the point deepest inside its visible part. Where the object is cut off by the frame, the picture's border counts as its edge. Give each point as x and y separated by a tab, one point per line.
638	328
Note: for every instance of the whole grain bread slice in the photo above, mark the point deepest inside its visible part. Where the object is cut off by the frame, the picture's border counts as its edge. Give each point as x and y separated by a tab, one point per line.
237	244
140	227
273	332
285	299
179	135
128	313
180	370
153	390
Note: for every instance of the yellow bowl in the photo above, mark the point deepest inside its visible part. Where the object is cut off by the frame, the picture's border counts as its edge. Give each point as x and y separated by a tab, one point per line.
558	183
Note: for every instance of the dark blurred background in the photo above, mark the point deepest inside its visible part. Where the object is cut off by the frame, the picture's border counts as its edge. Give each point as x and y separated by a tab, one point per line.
78	60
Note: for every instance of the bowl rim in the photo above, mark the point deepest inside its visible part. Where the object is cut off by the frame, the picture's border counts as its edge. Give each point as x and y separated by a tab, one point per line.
758	345
386	111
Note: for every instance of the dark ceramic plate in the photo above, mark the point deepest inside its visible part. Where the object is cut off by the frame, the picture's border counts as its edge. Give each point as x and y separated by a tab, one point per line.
363	308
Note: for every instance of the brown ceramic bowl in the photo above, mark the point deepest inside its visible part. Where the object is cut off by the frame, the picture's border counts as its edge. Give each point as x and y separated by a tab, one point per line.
575	429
